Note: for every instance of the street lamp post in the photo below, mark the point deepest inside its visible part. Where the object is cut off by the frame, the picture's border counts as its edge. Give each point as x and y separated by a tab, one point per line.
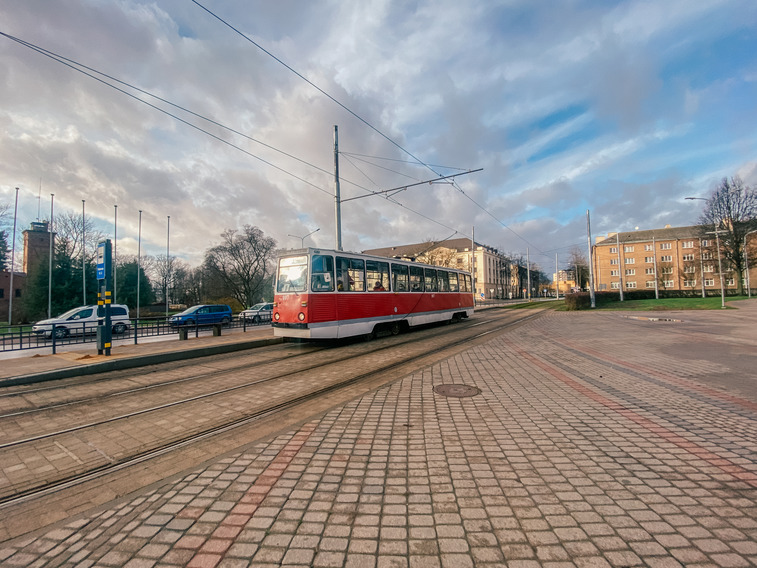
13	258
720	264
302	239
746	263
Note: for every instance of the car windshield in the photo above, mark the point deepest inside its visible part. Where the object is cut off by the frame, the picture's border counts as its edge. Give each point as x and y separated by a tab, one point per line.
187	311
69	313
256	307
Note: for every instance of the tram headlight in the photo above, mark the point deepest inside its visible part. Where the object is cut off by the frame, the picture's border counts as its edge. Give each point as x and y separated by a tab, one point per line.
276	316
301	316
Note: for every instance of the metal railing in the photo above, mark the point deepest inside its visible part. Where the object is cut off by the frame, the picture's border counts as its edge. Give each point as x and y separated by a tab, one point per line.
21	337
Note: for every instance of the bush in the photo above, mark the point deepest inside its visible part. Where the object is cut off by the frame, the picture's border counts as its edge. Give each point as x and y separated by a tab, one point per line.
577	301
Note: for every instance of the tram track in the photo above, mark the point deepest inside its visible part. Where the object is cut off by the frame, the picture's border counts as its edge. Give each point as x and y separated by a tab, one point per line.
419	348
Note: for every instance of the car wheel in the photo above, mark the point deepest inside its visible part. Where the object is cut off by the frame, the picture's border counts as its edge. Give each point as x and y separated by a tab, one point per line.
225	321
189	322
60	332
256	319
119	328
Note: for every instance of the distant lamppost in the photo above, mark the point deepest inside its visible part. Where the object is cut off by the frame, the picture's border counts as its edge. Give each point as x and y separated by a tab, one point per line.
720	264
139	265
168	259
302	239
13	257
83	249
746	262
115	248
50	263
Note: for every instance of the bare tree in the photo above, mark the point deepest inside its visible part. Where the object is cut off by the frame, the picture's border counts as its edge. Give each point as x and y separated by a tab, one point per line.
580	264
732	211
69	228
242	262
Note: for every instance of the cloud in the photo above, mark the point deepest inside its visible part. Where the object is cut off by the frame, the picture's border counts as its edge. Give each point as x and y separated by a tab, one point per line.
567	107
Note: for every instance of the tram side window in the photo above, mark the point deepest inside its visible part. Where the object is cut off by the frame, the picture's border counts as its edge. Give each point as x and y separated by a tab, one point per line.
416	279
399	278
431	283
377	274
350	274
453	284
322	279
465	281
443	280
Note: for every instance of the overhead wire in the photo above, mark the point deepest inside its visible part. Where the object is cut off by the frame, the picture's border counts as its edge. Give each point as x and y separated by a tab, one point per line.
350	111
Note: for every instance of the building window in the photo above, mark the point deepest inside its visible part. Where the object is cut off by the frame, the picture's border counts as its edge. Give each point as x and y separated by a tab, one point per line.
690	283
649	271
615	285
630	261
688	257
709	281
667	283
667	270
705	243
666	258
689	269
665	246
649	259
709	268
613	261
628	249
650	283
18	292
706	256
630	284
648	247
688	244
613	250
728	282
614	272
630	271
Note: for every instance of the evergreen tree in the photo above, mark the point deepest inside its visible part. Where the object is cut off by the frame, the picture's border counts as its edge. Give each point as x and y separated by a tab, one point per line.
5	251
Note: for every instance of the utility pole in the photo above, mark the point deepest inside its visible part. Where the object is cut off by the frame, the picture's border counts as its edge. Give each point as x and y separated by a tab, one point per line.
337	196
50	263
13	258
528	272
620	266
83	249
591	264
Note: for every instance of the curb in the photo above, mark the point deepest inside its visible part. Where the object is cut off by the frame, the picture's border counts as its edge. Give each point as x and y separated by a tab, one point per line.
134	362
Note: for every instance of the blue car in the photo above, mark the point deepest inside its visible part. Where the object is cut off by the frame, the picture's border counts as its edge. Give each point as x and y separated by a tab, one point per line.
204	314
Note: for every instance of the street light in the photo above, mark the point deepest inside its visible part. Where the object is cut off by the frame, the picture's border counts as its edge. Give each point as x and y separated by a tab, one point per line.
746	262
302	239
720	265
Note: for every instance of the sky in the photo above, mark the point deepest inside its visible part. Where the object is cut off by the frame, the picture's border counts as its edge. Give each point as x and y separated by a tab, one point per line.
618	108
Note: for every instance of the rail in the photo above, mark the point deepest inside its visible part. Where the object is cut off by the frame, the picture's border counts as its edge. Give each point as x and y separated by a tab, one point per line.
21	337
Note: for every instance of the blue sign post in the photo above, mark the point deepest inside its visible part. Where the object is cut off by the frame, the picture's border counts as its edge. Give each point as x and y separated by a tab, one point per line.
104	298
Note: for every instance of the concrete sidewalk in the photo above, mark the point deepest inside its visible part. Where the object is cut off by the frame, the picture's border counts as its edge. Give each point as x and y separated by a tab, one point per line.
82	359
587	439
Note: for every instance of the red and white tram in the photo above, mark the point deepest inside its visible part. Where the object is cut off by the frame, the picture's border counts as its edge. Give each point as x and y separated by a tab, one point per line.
326	294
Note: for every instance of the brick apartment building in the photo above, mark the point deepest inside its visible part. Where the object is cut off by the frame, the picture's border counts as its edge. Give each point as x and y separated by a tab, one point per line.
676	258
495	275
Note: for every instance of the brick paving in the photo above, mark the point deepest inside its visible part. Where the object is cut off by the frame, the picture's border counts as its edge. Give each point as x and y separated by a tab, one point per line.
596	440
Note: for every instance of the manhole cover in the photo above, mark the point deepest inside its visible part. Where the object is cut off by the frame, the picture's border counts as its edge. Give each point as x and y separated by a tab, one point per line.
457	391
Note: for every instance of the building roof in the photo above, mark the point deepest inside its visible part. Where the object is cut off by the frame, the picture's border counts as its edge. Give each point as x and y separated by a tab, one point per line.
665	234
416	249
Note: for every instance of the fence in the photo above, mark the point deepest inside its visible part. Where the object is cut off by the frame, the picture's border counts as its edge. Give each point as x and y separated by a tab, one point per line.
18	337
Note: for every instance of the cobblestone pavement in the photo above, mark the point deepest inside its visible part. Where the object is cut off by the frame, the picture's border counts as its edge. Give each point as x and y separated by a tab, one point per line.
596	439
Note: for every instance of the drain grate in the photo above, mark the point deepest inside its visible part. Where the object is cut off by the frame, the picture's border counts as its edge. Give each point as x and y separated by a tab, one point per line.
456	391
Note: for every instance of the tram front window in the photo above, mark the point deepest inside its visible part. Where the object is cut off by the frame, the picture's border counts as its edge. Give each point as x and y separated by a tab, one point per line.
292	276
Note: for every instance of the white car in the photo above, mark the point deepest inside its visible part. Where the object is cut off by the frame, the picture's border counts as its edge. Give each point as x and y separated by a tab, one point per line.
258	313
82	320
